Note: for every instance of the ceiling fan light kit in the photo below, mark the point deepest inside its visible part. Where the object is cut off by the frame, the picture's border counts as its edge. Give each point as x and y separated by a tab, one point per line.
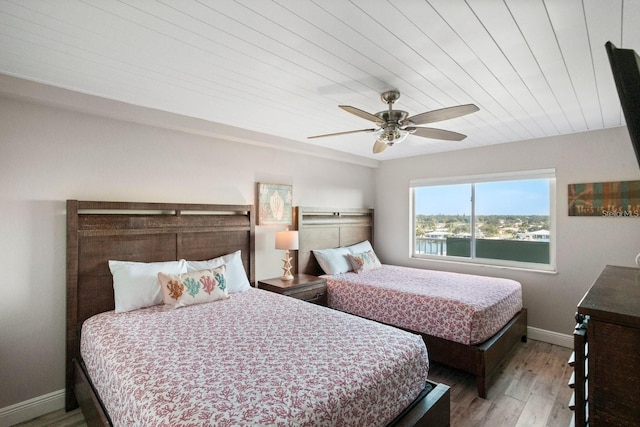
391	135
394	126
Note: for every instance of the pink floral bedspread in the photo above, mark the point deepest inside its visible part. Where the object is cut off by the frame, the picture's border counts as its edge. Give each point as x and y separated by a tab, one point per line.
256	359
458	307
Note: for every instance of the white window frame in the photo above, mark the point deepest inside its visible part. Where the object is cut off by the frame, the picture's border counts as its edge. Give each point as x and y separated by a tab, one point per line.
495	177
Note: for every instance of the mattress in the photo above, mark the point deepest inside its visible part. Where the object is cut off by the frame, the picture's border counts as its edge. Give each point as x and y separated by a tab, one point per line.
464	308
257	358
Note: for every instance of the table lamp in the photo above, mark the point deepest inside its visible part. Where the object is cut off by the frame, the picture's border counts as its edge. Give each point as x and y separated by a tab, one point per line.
288	241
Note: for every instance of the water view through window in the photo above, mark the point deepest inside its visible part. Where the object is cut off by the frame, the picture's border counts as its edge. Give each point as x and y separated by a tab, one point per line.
497	220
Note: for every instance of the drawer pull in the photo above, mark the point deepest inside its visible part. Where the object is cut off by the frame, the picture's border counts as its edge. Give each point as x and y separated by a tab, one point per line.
316	297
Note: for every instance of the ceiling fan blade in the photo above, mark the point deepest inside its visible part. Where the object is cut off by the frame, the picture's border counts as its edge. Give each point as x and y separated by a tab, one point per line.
436	133
360	113
443	114
379	147
341	133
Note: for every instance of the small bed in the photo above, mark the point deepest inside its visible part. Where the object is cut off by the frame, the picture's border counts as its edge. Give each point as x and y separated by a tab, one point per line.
263	359
468	322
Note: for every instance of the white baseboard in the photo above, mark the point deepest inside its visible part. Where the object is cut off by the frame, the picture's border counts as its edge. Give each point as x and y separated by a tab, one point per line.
550	337
32	408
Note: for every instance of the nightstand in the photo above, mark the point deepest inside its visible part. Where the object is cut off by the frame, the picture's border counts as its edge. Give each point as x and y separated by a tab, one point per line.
303	286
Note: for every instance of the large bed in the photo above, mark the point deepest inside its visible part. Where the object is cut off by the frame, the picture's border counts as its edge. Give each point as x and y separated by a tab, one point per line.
468	322
247	358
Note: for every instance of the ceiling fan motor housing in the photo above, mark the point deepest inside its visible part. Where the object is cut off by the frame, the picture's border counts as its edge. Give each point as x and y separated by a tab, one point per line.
397	117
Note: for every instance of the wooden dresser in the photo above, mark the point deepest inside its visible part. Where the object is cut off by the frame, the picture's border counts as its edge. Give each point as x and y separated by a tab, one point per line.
606	357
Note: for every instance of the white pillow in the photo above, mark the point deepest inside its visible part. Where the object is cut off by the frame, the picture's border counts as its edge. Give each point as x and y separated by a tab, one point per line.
361	247
136	285
235	275
333	261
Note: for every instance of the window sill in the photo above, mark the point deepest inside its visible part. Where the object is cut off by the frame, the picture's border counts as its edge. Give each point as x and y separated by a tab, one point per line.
479	263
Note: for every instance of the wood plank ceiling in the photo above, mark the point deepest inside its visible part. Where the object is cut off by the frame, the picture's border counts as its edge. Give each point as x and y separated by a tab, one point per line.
536	68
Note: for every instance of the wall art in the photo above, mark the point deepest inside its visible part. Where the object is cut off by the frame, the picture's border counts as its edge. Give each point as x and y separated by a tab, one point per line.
605	199
274	204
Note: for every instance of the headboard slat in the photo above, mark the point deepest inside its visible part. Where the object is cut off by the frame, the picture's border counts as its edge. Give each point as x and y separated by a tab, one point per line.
168	230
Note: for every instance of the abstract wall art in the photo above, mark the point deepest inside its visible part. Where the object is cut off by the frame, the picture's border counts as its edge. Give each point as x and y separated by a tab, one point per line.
605	199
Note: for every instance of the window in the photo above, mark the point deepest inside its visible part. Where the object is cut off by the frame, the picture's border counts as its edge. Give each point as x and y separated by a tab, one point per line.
498	219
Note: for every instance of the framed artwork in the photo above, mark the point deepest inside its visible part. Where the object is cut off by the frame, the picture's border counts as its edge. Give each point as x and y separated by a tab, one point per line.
274	204
606	199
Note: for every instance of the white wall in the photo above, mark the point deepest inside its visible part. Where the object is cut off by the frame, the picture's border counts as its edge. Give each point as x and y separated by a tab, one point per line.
48	155
584	244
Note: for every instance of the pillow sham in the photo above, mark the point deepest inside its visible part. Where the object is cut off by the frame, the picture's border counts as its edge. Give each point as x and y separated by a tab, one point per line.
235	275
364	261
333	261
136	285
361	247
196	287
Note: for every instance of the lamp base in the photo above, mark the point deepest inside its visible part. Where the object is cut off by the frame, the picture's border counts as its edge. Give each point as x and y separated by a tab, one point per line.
286	268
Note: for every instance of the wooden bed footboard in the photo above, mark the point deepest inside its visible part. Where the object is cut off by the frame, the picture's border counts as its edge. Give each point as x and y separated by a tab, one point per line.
432	410
91	406
480	360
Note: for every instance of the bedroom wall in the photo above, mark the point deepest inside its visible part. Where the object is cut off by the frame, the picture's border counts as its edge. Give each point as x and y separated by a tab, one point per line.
584	244
48	155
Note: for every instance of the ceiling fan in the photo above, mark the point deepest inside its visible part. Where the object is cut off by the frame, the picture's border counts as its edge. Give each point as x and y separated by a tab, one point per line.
395	125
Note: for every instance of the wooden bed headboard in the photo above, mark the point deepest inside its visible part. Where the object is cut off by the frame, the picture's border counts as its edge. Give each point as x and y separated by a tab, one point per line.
146	232
323	228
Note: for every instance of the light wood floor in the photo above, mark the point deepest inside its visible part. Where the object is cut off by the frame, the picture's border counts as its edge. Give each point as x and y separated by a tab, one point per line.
530	389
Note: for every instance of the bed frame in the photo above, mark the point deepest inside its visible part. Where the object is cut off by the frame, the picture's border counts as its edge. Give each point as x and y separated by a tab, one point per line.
321	228
147	232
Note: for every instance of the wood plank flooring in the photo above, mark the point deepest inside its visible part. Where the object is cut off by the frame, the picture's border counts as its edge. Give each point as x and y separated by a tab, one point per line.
530	389
58	418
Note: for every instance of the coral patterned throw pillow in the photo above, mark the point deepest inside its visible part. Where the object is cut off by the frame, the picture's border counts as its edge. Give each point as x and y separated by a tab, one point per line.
179	290
364	261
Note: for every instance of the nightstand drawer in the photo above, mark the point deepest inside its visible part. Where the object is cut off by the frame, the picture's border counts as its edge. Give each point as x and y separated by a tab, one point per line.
316	294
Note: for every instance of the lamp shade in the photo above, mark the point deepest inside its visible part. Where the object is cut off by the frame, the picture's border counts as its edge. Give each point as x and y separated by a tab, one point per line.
287	240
